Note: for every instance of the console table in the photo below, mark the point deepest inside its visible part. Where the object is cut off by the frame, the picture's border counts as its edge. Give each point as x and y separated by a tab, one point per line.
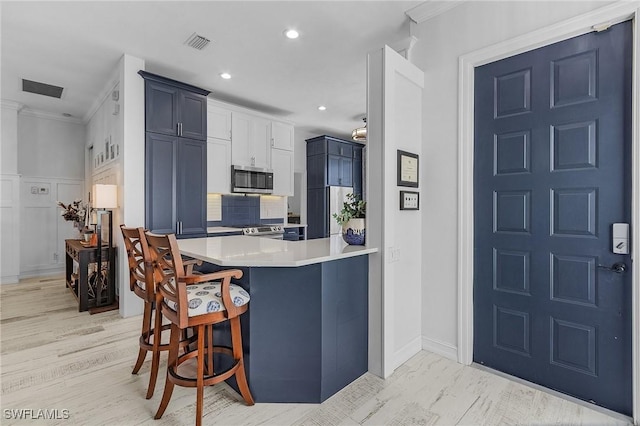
92	288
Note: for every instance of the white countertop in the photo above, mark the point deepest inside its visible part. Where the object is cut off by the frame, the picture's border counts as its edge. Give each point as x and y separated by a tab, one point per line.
240	250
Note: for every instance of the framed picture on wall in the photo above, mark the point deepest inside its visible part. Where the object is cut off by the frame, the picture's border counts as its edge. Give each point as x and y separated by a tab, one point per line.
408	170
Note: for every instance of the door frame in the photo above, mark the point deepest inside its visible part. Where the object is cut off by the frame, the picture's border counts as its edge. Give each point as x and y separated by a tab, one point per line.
582	24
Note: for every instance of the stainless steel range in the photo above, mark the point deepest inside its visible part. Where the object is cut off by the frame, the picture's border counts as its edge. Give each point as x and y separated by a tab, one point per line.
266	231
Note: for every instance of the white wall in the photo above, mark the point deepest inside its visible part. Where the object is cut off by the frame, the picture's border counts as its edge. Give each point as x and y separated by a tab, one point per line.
9	143
9	194
131	190
50	146
441	40
394	111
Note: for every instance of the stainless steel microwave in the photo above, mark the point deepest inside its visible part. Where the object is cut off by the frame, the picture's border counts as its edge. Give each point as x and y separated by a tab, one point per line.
251	179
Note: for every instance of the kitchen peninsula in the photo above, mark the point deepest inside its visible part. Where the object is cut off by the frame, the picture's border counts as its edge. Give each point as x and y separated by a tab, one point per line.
305	334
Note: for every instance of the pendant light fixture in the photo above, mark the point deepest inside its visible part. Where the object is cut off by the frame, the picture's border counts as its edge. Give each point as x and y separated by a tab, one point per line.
360	134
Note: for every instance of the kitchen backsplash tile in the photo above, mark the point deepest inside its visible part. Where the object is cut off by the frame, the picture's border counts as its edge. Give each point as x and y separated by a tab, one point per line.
236	210
214	207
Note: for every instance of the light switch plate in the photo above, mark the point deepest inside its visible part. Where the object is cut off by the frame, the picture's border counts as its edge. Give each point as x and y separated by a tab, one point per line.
409	200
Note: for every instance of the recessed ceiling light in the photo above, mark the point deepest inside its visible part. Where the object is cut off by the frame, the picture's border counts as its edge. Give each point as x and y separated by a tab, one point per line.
322	107
291	34
225	75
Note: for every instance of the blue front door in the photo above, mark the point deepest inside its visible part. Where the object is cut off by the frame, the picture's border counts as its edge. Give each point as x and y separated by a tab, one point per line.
552	174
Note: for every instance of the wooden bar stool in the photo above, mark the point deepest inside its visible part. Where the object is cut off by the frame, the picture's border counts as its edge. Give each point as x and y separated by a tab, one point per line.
199	302
141	283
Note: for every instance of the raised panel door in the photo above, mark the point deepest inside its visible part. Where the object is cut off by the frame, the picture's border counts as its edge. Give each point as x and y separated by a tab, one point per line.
218	166
192	110
282	166
241	152
339	171
334	167
261	142
218	122
282	135
161	108
317	213
316	171
160	178
346	171
191	185
551	175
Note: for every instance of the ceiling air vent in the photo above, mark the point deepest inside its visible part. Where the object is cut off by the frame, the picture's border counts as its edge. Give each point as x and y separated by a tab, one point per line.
197	41
41	88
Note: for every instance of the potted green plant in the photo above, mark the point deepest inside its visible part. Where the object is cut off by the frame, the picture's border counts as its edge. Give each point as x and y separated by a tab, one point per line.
351	218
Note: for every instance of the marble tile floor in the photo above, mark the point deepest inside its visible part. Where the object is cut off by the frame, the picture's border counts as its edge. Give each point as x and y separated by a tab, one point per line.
53	357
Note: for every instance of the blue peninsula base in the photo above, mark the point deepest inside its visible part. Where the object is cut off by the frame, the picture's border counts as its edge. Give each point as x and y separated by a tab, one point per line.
306	332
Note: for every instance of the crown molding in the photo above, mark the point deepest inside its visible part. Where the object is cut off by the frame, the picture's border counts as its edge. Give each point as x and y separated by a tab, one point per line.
50	116
430	9
11	104
112	83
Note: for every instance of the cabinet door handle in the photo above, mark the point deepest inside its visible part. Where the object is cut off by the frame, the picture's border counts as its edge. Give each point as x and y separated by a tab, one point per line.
272	142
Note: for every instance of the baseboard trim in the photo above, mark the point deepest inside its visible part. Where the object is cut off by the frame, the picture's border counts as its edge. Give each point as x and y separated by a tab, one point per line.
9	279
43	273
406	352
441	348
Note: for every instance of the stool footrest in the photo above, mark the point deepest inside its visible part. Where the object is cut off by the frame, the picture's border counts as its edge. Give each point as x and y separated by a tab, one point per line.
208	379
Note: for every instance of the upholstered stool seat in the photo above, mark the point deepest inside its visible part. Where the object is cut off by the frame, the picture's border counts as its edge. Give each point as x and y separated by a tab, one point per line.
197	302
204	298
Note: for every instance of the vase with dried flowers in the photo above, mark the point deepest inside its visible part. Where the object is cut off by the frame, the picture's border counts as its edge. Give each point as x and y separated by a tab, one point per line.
75	212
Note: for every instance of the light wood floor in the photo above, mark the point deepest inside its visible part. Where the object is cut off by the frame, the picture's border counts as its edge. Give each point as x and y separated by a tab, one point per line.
53	357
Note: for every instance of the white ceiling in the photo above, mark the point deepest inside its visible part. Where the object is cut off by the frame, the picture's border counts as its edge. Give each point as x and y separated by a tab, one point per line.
78	44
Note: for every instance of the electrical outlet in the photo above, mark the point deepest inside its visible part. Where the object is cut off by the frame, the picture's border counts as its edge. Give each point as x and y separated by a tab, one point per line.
394	254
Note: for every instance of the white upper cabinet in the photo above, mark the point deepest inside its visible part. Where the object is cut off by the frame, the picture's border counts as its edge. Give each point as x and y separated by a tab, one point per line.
250	141
218	166
282	136
218	122
241	137
282	165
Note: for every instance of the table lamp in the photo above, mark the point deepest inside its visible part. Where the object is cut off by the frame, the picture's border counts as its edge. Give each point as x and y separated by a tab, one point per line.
105	197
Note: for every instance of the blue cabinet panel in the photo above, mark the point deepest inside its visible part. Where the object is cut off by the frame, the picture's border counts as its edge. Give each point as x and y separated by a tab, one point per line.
330	162
161	153
317	213
191	186
174	108
175	157
312	346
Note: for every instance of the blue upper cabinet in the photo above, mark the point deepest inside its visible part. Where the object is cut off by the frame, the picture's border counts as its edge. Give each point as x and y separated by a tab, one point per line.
333	162
175	157
330	162
174	108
